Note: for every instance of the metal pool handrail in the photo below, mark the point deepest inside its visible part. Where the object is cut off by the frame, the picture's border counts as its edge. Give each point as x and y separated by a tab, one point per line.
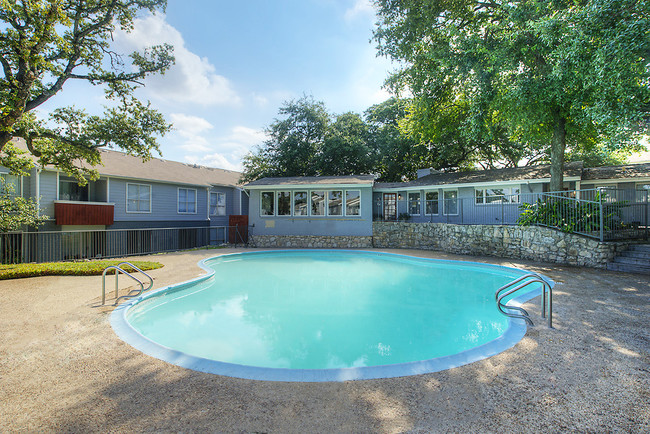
118	269
532	278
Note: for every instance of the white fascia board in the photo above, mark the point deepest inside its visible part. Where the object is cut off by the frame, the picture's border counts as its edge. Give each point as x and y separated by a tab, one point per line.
474	184
305	186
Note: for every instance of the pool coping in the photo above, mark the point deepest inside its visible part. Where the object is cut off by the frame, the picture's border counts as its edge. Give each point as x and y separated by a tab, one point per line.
514	333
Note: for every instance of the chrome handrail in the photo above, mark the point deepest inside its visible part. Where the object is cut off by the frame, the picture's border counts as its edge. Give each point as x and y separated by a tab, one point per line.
118	269
527	280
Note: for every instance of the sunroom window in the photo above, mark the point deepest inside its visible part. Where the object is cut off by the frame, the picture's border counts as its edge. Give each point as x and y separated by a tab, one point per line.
335	203
267	206
284	203
352	202
300	203
317	203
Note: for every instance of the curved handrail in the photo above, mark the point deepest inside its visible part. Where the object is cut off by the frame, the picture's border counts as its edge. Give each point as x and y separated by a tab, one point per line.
117	271
532	278
140	271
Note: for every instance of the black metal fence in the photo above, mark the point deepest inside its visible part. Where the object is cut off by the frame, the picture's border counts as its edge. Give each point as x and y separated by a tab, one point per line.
50	246
604	213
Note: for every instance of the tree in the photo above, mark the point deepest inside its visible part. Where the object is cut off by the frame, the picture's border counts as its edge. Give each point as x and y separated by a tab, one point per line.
345	150
394	150
46	43
295	142
17	211
555	75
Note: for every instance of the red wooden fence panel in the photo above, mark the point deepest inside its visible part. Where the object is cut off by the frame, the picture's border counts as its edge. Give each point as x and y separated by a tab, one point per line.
238	230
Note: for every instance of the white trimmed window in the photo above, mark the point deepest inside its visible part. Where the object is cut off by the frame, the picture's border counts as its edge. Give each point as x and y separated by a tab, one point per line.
450	202
284	203
353	202
300	206
138	198
217	204
317	203
414	203
488	195
267	203
335	203
186	201
431	205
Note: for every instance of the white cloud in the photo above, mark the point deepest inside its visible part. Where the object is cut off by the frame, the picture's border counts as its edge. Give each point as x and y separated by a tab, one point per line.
224	152
191	80
360	8
189	124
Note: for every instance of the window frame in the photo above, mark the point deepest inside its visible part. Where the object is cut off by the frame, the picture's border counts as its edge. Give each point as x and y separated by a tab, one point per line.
74	182
178	201
444	202
437	192
273	209
408	202
126	192
293	203
508	191
345	205
216	206
327	195
277	203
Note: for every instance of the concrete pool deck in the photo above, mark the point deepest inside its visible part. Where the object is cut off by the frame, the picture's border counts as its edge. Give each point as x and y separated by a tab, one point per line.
62	368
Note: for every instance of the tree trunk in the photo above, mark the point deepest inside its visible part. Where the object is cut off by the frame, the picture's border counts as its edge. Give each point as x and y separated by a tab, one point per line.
4	139
558	146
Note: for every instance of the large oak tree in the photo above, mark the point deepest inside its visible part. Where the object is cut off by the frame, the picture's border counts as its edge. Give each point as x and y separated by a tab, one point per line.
554	75
46	43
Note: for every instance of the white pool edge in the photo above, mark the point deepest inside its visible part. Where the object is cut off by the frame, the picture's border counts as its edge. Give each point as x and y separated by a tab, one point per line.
515	332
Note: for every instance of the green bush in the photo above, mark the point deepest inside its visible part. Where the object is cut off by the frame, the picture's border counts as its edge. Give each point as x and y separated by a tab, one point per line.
570	215
85	268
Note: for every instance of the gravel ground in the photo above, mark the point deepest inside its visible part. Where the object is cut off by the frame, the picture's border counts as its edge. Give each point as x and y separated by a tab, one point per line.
63	369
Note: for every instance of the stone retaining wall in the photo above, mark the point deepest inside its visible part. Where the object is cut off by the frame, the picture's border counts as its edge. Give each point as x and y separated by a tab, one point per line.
312	241
524	242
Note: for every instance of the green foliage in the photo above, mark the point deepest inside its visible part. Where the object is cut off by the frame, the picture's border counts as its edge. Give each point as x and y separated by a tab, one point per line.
17	211
397	155
86	268
309	141
46	43
570	215
546	76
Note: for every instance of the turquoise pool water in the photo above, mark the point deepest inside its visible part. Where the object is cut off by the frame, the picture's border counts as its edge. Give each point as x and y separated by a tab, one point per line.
325	310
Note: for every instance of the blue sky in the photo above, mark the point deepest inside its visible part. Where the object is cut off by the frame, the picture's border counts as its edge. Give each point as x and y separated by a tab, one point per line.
237	61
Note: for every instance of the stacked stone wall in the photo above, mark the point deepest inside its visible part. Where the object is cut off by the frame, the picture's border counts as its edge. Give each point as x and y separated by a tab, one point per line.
312	241
523	242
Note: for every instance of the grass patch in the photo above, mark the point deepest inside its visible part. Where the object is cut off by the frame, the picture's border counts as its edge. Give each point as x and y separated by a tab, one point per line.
85	268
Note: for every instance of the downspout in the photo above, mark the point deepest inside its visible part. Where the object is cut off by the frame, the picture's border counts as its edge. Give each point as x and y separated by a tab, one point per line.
38	192
207	189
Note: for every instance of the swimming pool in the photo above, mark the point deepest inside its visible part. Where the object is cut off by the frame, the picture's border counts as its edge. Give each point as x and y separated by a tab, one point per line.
325	315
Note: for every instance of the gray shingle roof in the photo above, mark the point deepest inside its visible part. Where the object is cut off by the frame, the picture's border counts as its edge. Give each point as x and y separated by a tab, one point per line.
617	172
312	180
122	165
573	169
